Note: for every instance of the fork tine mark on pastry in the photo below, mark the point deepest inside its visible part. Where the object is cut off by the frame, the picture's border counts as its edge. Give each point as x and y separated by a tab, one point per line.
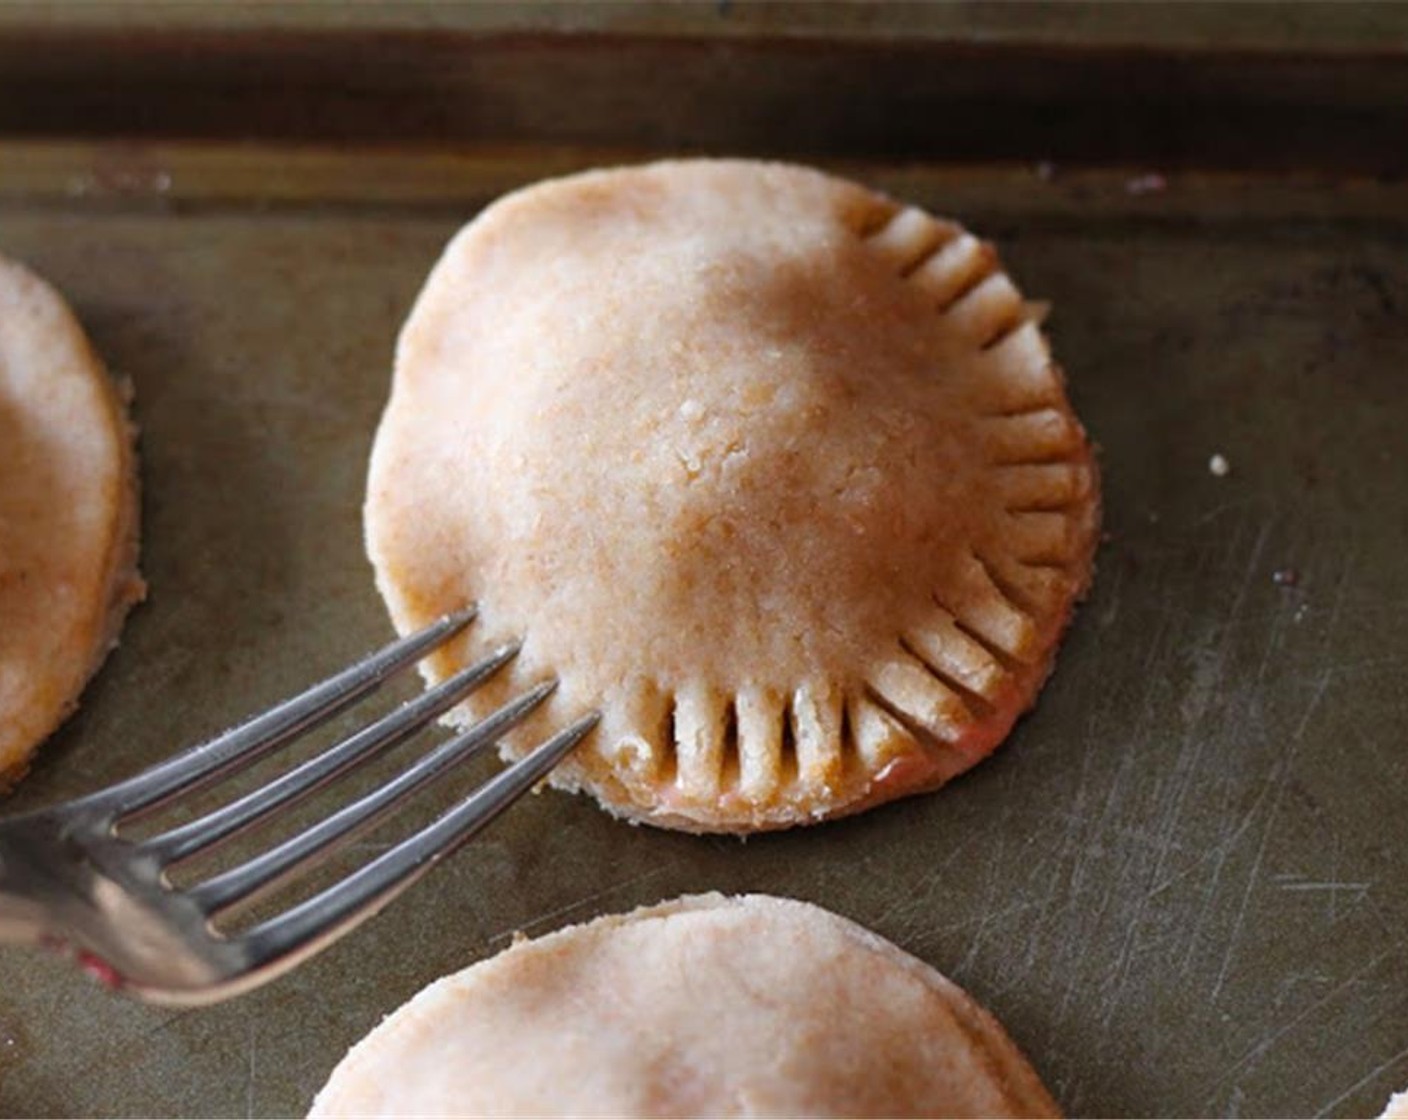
938	640
910	239
910	687
701	726
760	718
867	217
989	310
1043	435
637	758
818	732
1028	487
958	267
1027	315
976	706
1039	537
880	739
1018	374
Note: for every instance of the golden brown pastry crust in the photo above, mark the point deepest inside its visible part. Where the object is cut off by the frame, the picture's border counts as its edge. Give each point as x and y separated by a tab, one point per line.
68	514
777	472
704	1006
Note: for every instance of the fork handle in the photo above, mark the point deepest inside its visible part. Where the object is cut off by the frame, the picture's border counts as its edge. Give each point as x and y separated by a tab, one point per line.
24	919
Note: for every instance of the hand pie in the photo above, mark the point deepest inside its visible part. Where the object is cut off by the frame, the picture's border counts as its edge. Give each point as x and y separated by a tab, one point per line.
68	515
775	471
705	1006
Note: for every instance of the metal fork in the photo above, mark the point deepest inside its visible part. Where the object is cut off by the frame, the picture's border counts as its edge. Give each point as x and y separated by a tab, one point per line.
70	881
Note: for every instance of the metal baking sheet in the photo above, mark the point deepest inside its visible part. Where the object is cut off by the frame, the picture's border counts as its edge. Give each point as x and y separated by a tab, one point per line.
1180	884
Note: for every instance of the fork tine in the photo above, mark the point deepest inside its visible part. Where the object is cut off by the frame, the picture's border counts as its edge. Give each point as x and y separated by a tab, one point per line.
221	824
282	941
243	745
264	871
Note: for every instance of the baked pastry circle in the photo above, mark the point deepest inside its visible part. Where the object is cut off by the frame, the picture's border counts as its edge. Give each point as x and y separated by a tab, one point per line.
68	514
776	471
704	1006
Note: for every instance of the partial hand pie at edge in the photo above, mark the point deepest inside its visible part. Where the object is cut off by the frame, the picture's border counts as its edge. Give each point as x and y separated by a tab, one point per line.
68	514
621	1017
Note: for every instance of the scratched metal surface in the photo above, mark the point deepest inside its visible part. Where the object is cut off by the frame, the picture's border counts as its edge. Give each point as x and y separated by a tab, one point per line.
1181	884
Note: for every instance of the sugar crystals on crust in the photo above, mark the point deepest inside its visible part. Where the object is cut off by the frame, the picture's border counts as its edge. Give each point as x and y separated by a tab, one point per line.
774	470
